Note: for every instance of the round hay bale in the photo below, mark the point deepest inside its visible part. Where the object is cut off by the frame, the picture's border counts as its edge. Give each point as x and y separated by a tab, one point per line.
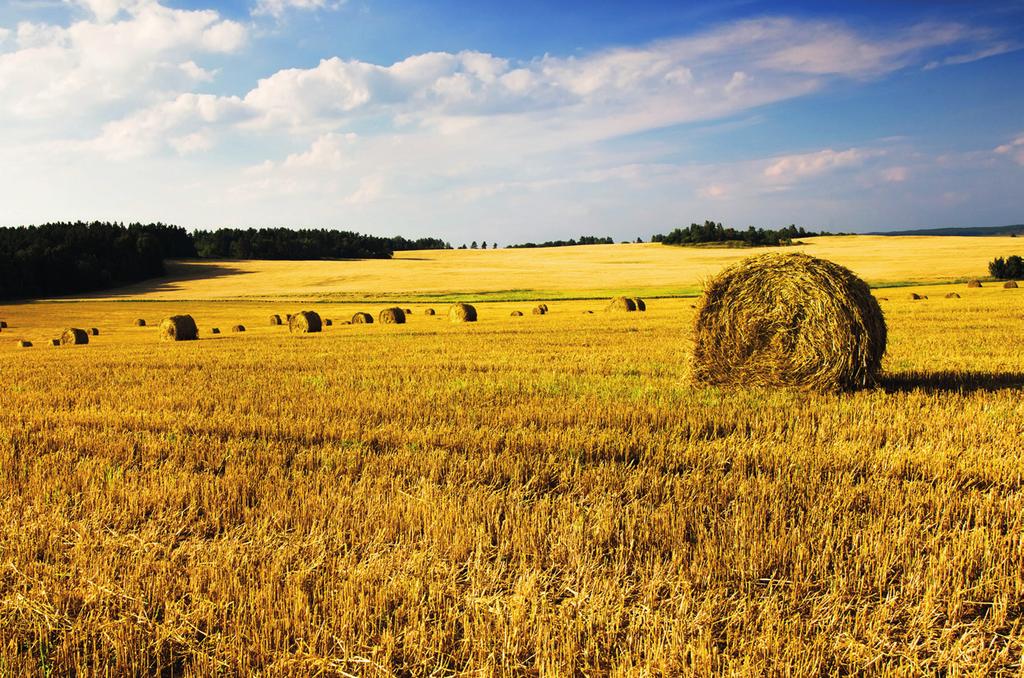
94	331
3	324
238	328
276	319
305	322
914	296
538	310
974	283
328	322
640	304
624	304
54	342
588	312
788	320
74	336
391	316
544	306
462	313
952	295
1010	285
140	322
349	322
428	311
408	311
214	330
362	319
25	344
179	328
517	314
288	317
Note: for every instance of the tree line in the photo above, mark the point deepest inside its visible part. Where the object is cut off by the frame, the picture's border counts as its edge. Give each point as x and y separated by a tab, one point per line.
582	240
711	232
72	257
1010	268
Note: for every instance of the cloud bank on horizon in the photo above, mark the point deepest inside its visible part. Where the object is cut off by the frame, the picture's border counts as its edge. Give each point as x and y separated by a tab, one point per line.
149	110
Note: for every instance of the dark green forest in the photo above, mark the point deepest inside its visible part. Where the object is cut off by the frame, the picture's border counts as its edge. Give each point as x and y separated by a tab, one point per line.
68	258
710	232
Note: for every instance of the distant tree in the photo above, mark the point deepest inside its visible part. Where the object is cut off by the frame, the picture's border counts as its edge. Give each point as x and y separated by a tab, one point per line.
711	232
1011	268
473	246
483	245
639	239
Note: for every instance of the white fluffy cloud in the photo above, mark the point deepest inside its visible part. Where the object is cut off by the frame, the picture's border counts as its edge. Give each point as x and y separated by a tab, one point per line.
1014	149
127	53
277	8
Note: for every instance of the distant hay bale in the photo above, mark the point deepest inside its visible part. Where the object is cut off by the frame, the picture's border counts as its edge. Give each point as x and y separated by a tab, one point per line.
276	319
391	316
428	311
788	320
538	310
1010	285
94	331
952	295
288	317
516	314
362	319
140	322
544	306
348	322
305	322
640	304
624	304
3	324
588	313
54	342
214	330
74	336
328	322
408	311
462	313
238	328
974	283
179	328
915	296
25	344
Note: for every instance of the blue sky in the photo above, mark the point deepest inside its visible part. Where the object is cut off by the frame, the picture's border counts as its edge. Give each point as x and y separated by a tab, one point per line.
512	121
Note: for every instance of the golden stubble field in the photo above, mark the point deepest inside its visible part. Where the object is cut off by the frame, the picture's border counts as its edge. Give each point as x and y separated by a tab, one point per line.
546	495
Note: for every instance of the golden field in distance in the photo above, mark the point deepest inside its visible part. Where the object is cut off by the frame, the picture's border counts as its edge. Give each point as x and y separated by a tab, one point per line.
562	272
543	495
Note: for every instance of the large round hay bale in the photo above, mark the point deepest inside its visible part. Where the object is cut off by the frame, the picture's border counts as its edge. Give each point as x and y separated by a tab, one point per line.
640	304
25	344
974	283
94	331
621	304
788	320
538	310
952	295
179	328
72	336
516	314
462	313
238	328
305	322
139	322
391	316
275	319
428	311
362	319
1010	285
